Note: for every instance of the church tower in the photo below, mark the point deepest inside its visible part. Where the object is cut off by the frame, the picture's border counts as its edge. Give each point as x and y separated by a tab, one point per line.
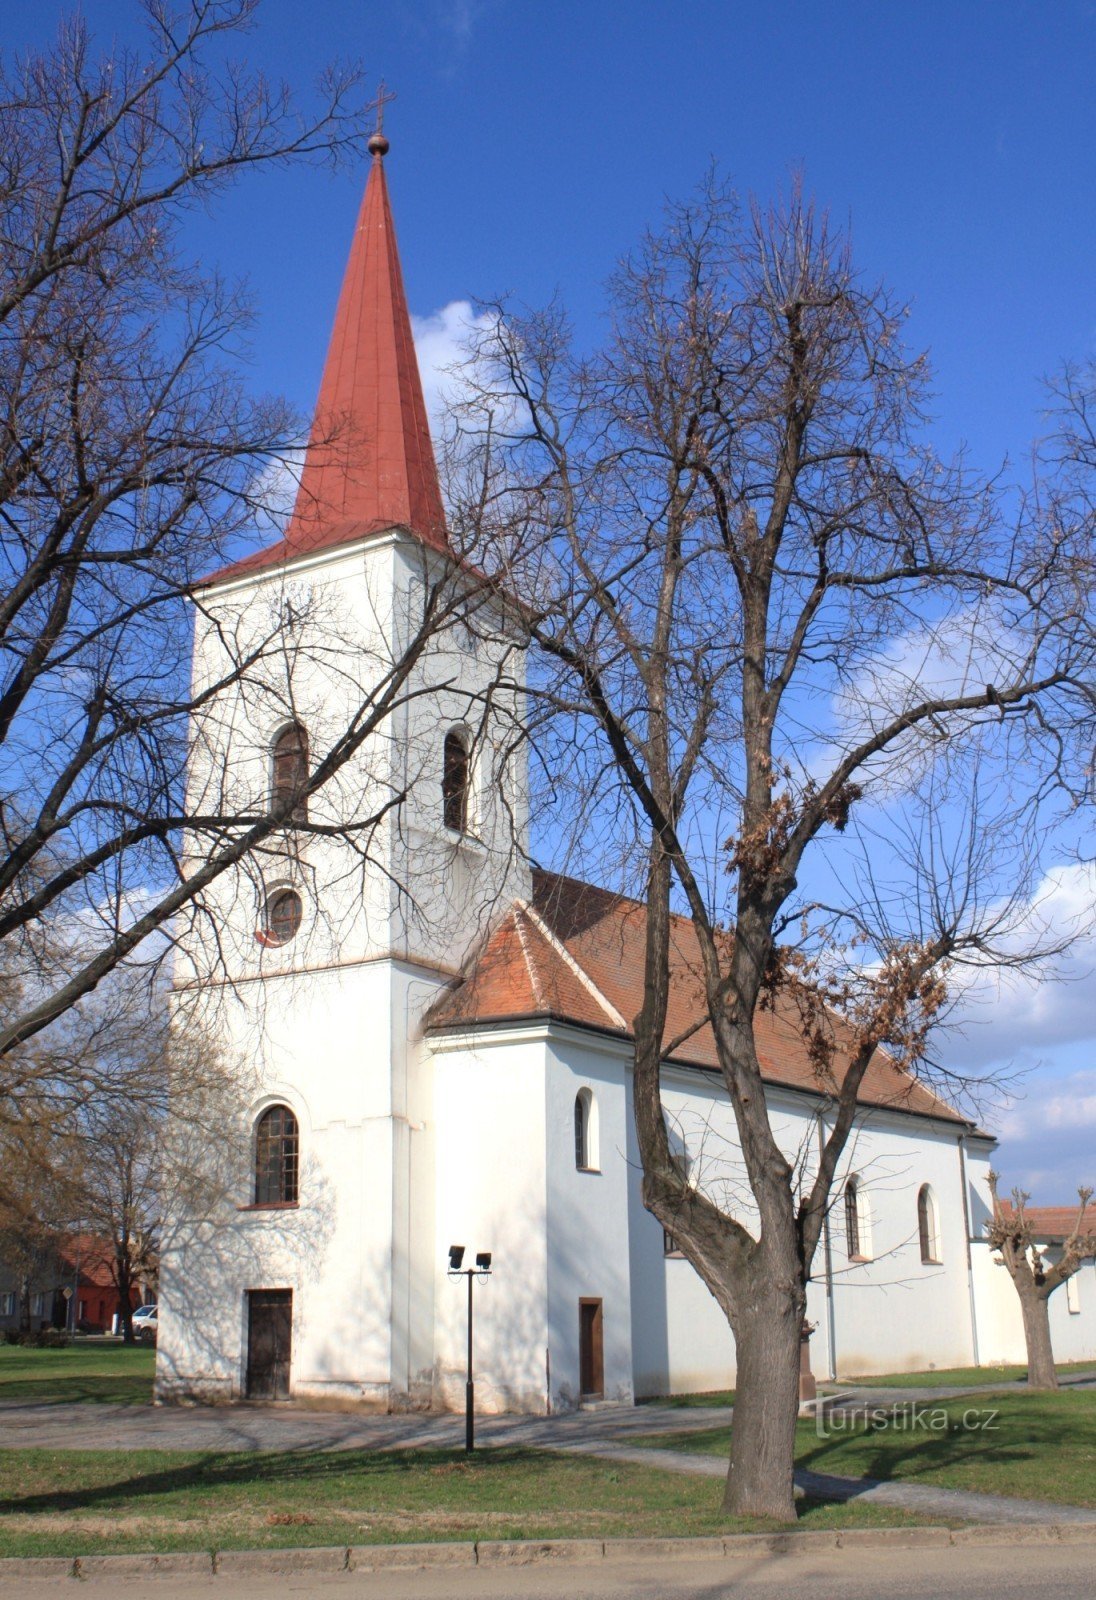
365	685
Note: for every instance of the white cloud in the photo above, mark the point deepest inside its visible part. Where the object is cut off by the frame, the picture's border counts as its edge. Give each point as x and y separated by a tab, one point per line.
1005	1012
957	656
273	491
442	343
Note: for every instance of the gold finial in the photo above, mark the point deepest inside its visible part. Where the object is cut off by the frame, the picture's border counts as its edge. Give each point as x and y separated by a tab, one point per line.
378	144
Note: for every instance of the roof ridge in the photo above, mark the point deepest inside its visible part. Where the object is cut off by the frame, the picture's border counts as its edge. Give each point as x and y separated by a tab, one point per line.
557	944
530	965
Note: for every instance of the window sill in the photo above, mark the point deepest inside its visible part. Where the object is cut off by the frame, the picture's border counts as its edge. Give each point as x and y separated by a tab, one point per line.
272	1205
590	1171
931	1261
860	1261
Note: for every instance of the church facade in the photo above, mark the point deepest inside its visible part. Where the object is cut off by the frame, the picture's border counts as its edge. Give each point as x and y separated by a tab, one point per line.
428	1040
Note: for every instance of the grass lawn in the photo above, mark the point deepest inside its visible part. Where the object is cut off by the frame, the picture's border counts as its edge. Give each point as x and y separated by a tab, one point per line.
83	1502
78	1372
960	1377
711	1397
1035	1446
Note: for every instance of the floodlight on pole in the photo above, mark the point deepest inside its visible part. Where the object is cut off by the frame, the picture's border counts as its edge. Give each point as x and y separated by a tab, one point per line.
482	1269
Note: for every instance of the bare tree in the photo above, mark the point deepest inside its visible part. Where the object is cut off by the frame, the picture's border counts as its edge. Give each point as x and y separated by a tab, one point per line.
799	671
132	465
117	1175
32	1232
1013	1233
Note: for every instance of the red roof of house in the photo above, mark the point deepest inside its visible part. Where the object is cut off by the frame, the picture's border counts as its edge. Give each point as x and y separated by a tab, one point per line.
370	463
91	1256
1054	1223
576	954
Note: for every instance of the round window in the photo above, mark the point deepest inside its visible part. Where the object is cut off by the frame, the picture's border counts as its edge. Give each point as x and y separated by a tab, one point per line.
281	916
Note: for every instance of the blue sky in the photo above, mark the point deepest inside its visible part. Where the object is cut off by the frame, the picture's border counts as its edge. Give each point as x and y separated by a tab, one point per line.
531	143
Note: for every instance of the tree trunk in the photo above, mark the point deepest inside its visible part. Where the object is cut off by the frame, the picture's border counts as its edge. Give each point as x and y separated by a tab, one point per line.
124	1281
1040	1353
766	1405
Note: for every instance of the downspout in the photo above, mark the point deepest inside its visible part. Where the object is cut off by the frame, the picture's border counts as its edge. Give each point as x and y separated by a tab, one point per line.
827	1255
970	1256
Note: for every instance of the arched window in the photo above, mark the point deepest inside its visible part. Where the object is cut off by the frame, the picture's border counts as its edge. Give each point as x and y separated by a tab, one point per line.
277	1157
852	1220
927	1230
289	768
454	781
586	1155
282	915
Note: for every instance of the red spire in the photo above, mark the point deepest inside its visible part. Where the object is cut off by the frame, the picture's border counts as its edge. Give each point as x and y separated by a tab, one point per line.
369	465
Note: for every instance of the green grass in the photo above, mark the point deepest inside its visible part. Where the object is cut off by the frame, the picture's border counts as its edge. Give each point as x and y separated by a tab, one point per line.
959	1377
81	1501
683	1402
101	1372
1035	1446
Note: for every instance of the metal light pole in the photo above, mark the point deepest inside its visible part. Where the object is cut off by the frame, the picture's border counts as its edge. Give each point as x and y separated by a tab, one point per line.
482	1269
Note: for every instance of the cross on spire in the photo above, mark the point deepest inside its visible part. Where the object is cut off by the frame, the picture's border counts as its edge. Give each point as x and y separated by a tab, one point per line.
378	144
383	97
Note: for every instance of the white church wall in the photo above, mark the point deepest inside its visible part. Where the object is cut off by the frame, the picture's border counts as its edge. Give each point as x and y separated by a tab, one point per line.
681	1341
588	1255
894	1312
326	662
491	1194
1073	1313
889	1313
409	885
469	681
414	1190
321	1045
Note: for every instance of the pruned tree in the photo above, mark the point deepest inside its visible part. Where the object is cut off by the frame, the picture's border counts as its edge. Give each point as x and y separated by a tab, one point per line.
800	671
1013	1233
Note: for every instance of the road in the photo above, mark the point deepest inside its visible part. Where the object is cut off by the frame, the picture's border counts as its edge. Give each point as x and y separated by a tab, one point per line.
1057	1572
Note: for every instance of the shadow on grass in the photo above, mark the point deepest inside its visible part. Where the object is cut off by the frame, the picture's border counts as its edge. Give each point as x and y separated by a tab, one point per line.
107	1390
1035	1445
104	1374
216	1472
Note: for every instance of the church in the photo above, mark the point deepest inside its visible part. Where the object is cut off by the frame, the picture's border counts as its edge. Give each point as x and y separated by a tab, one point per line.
429	1040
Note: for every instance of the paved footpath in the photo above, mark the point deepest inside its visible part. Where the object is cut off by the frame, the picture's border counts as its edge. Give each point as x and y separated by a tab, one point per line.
286	1427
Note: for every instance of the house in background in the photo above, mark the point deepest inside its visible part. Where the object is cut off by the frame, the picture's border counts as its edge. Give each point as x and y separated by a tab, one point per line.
80	1263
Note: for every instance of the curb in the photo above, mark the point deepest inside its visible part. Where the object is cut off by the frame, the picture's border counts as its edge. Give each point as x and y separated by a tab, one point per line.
528	1552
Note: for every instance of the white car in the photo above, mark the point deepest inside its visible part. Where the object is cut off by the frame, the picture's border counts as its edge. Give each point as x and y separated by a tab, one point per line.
144	1322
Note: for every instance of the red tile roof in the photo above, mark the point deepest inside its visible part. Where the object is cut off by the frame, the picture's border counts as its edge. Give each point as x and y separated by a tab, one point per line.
1054	1223
576	955
92	1256
370	464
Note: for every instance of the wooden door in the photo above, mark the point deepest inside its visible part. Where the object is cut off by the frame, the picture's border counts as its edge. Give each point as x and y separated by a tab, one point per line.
269	1340
591	1362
